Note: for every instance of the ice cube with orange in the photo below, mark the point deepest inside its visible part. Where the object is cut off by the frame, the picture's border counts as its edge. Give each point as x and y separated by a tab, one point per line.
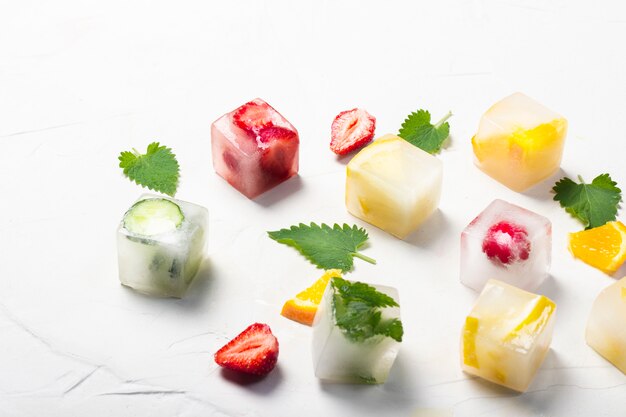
519	142
507	335
602	247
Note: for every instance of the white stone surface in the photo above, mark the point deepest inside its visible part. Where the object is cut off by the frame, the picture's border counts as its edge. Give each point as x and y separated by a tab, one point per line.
82	81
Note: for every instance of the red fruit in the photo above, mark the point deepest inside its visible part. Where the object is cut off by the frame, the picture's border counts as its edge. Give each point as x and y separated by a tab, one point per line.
254	116
279	149
254	351
231	162
351	129
506	243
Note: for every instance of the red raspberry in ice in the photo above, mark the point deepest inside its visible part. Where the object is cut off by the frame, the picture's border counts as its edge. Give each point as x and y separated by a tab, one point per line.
506	243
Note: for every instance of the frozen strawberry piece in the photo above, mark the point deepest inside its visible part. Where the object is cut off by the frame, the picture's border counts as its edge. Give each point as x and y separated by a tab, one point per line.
506	242
351	130
254	351
254	148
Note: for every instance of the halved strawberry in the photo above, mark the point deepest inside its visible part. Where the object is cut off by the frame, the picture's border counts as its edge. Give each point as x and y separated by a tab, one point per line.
254	351
281	149
254	116
506	242
351	130
230	160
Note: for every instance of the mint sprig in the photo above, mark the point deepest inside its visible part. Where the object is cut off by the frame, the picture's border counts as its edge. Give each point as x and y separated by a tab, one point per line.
593	204
357	308
157	169
418	131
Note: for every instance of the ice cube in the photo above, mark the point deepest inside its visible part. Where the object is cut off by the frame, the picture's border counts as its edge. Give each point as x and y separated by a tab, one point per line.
340	357
160	245
519	142
606	328
507	243
393	185
507	335
254	148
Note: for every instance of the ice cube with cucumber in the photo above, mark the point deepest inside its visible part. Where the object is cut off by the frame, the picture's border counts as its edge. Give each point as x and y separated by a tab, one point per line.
160	244
356	332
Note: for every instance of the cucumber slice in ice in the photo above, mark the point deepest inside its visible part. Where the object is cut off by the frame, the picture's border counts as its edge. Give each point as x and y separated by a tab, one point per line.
153	216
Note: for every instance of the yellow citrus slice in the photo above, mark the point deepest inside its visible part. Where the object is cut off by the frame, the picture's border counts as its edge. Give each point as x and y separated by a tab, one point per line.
534	322
602	247
469	342
303	306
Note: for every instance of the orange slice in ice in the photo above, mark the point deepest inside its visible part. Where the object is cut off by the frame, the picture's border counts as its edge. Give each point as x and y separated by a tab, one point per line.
602	247
302	307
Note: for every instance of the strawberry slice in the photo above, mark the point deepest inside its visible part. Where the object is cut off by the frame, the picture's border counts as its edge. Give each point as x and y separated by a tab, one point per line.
351	130
254	351
506	243
279	149
231	161
254	116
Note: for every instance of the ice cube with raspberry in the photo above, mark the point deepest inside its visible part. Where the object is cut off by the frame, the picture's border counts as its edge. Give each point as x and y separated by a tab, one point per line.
254	148
508	243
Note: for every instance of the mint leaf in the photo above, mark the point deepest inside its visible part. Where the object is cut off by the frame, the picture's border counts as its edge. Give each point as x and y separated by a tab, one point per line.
325	247
418	131
593	204
157	169
357	308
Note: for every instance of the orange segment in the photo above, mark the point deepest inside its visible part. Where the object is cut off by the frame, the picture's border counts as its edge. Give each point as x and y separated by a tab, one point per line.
303	306
602	247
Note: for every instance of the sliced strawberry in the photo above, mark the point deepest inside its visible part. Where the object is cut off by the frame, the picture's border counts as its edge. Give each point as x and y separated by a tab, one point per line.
506	243
254	116
253	351
350	130
279	149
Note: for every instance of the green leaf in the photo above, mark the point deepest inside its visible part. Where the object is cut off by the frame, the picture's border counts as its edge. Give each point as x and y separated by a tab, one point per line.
357	308
593	204
325	247
157	169
418	131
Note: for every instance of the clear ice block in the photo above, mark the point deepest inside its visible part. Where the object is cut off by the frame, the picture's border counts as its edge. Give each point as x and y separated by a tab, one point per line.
519	142
163	263
507	243
254	148
606	328
507	335
338	358
393	185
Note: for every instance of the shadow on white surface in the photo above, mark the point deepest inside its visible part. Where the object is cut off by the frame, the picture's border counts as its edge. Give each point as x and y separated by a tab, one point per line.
261	385
280	192
543	190
436	227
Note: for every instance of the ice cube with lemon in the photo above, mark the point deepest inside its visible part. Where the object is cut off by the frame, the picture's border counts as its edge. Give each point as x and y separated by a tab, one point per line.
606	328
519	142
160	244
393	185
507	335
356	332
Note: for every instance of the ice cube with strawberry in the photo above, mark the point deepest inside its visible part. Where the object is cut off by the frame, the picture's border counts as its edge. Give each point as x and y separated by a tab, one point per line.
508	243
254	148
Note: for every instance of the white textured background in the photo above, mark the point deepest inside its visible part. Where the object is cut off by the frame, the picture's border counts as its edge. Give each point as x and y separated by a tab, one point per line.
82	80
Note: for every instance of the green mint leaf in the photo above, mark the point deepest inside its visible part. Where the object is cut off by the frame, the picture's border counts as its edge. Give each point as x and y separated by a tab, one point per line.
157	169
418	131
357	308
593	204
326	247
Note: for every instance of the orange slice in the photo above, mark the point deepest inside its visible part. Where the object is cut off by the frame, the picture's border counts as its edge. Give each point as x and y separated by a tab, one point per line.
602	247
302	307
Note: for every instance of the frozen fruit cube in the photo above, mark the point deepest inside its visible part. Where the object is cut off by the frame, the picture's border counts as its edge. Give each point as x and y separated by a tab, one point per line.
507	243
254	148
354	341
160	245
507	335
519	142
393	185
606	328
